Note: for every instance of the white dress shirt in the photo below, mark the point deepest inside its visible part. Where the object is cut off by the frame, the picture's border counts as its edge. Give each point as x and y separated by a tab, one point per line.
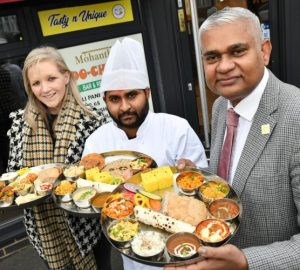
246	109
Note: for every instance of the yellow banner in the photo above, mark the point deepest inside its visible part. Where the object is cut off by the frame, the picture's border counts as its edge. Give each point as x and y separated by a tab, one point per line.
63	20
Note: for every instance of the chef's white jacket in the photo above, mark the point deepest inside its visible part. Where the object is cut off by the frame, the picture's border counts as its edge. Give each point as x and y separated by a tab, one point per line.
164	137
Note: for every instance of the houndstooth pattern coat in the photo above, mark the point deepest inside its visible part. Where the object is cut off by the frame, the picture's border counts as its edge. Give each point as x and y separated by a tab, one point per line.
86	231
267	178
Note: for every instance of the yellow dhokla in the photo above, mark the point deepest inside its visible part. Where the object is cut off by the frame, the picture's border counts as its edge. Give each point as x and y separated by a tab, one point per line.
94	174
156	179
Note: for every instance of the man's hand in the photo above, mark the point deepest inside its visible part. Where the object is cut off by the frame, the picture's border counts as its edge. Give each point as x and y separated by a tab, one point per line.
227	257
182	163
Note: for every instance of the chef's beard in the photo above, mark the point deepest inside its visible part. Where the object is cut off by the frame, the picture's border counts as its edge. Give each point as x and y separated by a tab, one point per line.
140	117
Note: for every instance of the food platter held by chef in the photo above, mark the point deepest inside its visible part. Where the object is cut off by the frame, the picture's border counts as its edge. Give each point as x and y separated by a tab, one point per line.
125	88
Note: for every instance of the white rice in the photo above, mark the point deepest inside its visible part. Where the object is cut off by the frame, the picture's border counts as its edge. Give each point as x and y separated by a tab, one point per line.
148	243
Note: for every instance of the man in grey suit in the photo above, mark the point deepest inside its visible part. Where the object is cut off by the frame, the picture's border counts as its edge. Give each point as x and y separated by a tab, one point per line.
265	163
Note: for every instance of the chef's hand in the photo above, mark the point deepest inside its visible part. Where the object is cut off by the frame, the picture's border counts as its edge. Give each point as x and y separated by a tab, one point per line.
227	257
182	163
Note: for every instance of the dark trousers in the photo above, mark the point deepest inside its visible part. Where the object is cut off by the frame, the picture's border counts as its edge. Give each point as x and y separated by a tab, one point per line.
102	252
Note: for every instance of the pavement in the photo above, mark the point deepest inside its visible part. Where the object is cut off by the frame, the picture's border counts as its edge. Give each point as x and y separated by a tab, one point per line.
28	259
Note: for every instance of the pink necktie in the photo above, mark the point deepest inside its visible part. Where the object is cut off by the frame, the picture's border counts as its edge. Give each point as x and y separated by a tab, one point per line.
232	119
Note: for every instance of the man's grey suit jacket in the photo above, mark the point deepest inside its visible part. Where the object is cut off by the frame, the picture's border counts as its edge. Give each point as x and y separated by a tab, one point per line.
267	178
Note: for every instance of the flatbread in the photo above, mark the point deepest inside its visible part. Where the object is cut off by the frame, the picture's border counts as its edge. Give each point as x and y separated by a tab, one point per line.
49	175
184	208
161	221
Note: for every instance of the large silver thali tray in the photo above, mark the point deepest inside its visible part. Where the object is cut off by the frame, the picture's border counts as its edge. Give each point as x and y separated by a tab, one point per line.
91	211
40	199
165	258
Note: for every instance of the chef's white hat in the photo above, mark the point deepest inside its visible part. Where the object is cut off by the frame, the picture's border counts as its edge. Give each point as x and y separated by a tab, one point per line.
125	68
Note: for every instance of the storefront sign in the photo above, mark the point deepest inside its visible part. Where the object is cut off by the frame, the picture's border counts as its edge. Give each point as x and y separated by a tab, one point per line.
87	63
63	20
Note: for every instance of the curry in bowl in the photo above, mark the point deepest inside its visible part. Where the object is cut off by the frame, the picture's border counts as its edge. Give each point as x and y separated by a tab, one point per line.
189	181
213	190
212	231
122	231
225	209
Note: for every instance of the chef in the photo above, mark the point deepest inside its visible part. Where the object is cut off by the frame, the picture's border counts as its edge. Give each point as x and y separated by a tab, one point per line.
125	89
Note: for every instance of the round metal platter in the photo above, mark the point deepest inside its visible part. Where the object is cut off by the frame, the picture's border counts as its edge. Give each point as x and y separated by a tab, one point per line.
111	156
40	199
165	259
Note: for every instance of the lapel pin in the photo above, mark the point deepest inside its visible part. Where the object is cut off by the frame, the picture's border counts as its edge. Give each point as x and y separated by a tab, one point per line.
265	129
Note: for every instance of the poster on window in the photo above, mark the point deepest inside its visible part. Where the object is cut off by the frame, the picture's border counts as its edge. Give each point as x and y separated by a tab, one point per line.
87	64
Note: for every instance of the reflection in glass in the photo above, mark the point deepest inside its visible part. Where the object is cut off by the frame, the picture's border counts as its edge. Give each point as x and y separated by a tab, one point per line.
9	30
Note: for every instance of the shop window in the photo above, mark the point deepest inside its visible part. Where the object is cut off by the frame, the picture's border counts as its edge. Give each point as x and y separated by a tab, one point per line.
9	30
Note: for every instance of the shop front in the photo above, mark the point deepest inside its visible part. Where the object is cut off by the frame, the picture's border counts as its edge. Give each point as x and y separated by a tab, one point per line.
84	31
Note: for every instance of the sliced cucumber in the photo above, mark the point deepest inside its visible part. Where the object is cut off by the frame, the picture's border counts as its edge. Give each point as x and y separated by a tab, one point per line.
150	195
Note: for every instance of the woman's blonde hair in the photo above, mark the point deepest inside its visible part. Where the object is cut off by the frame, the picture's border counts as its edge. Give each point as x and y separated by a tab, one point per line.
36	56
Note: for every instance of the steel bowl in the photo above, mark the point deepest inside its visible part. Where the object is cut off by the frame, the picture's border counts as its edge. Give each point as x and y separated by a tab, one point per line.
122	231
183	246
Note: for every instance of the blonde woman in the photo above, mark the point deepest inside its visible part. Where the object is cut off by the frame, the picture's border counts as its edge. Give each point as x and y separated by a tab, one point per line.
52	129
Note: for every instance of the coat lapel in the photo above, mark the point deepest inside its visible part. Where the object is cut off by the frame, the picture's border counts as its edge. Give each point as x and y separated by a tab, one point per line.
262	127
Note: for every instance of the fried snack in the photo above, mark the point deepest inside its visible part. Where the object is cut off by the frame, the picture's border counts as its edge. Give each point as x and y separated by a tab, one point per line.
93	160
6	193
31	177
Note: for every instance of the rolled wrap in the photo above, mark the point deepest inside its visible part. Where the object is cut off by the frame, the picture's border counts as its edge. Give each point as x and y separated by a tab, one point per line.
161	221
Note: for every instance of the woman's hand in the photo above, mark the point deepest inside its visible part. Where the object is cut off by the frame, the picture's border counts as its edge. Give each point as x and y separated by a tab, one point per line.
227	257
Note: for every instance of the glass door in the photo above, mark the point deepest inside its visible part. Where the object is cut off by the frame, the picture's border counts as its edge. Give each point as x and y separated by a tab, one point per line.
196	13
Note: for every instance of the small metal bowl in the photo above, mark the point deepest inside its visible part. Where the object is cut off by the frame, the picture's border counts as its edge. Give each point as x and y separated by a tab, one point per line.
7	200
225	209
188	182
213	190
122	231
212	232
123	209
42	189
9	177
64	196
82	196
183	246
73	172
149	245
